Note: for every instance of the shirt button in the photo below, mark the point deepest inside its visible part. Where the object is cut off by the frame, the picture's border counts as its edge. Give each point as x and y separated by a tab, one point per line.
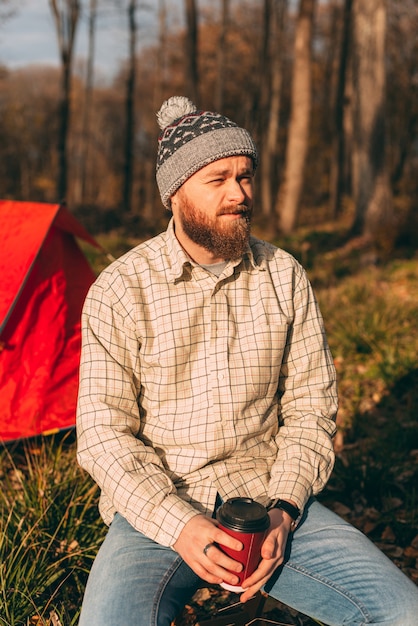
221	376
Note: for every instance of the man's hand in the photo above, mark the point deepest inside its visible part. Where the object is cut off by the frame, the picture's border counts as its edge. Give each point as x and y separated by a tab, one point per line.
214	565
272	553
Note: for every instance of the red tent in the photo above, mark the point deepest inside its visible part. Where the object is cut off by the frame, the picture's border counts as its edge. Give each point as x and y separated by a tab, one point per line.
44	278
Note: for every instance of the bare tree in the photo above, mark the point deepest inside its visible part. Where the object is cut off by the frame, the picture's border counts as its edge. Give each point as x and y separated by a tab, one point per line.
298	135
28	131
66	14
130	108
222	53
276	17
191	49
403	67
85	133
160	84
161	54
337	178
371	187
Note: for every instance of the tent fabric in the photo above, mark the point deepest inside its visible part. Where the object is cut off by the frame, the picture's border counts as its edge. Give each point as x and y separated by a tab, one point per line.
44	278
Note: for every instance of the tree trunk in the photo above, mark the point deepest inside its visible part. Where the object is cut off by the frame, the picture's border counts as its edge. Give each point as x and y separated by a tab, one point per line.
191	49
85	133
277	15
162	78
371	188
160	83
298	136
337	175
130	109
66	21
221	60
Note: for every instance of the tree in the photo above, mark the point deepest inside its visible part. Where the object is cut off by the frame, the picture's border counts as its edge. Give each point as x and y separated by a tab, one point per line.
130	108
338	136
85	133
275	17
222	52
160	83
371	186
298	135
191	49
66	15
402	111
28	130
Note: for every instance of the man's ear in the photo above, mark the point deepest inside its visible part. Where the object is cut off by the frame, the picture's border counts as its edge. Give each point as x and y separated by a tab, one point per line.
173	201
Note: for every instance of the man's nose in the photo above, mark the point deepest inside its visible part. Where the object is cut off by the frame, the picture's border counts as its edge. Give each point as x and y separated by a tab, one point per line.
235	191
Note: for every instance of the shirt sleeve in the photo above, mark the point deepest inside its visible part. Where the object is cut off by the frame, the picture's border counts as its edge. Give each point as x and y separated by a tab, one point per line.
125	468
308	404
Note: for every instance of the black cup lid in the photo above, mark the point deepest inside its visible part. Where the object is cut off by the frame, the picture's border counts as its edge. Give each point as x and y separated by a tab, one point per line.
243	515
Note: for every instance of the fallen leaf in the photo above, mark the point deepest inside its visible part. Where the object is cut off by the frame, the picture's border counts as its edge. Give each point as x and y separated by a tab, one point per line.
202	595
388	534
392	503
411	552
340	509
54	619
369	527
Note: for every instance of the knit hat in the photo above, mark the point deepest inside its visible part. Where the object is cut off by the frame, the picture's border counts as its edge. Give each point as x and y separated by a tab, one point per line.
191	139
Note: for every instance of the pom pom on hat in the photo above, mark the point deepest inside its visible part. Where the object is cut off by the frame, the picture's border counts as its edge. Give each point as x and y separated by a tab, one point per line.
172	109
191	139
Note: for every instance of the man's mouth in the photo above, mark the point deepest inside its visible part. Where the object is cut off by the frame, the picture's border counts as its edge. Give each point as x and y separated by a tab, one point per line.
239	212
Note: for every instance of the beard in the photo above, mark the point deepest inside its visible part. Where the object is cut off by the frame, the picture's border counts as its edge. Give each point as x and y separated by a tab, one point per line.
227	240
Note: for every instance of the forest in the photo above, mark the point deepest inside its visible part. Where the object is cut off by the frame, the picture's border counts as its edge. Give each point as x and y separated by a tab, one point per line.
328	89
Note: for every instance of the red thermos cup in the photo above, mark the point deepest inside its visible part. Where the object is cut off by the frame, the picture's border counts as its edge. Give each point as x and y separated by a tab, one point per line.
247	521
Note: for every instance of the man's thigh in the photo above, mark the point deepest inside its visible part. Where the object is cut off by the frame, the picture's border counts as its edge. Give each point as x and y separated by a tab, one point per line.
333	573
135	581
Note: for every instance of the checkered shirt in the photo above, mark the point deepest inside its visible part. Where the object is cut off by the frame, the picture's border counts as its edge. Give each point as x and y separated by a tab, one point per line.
193	385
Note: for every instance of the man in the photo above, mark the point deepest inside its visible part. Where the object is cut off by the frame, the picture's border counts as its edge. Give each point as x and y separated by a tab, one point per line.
205	374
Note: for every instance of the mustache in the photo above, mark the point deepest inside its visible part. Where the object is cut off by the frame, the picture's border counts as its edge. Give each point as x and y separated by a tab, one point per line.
237	209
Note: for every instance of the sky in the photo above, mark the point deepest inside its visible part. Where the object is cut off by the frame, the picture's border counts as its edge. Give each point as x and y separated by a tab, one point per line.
29	36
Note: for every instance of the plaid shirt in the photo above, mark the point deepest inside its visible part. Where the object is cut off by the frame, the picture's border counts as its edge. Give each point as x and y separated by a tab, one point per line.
193	385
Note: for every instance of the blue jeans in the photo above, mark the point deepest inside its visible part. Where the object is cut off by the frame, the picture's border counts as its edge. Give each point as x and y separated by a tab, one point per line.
332	573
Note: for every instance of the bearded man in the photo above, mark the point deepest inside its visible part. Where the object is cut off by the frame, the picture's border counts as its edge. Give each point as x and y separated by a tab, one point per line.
206	375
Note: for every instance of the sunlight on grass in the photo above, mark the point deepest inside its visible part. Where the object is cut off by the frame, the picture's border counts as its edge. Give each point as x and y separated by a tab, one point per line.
372	331
49	533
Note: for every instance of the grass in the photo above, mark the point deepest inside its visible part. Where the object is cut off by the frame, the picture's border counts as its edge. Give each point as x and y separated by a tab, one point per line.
371	325
49	525
49	534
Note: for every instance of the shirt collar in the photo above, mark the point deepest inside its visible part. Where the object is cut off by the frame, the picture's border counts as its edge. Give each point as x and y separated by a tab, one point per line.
178	258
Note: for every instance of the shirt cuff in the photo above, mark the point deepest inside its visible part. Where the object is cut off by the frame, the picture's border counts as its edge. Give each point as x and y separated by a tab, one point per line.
168	520
293	488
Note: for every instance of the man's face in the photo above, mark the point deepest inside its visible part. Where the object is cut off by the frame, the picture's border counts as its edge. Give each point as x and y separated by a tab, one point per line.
213	208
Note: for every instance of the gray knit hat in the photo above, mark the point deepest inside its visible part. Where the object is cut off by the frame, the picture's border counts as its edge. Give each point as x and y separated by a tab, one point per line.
191	139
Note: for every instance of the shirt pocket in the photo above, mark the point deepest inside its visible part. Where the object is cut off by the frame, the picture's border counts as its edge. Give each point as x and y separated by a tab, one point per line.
262	347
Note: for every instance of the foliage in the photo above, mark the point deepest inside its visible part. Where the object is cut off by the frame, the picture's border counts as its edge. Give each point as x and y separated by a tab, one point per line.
30	99
49	533
370	322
